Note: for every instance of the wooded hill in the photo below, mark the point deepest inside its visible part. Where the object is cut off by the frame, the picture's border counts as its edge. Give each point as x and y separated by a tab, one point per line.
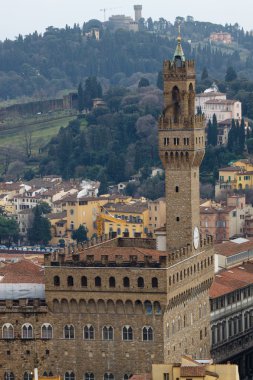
41	65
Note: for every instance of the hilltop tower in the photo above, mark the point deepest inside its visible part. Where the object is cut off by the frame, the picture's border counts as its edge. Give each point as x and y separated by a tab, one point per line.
181	148
137	11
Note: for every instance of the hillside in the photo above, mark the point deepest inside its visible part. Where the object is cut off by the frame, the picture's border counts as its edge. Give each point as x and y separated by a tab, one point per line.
42	65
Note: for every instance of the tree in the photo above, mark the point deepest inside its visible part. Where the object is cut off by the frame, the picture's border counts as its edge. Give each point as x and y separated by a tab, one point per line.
80	95
159	82
28	143
215	130
232	137
80	235
250	146
144	82
230	74
241	136
44	208
8	229
40	232
93	89
204	74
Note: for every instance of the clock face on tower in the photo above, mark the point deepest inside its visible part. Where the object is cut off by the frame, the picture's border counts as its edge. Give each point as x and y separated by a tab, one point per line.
196	237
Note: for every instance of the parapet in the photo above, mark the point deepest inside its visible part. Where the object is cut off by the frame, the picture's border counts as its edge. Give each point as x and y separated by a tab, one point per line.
181	254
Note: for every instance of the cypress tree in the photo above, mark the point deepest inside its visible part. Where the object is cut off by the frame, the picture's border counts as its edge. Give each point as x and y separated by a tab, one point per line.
242	136
214	130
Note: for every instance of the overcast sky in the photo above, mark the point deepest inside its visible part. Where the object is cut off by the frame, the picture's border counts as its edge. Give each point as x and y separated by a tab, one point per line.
26	16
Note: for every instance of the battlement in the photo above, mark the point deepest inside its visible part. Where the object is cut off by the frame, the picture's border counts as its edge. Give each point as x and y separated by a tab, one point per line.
118	252
171	66
166	123
185	252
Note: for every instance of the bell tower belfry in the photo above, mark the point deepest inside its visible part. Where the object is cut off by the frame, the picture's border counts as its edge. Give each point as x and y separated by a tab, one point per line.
181	149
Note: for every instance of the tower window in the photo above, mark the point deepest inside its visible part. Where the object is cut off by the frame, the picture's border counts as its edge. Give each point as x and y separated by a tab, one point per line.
186	141
176	141
177	189
177	219
166	141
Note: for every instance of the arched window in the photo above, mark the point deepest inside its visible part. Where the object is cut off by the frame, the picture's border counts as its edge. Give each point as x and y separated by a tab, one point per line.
126	282
127	333
147	333
57	281
140	282
148	307
7	331
27	331
69	375
69	332
88	332
108	376
84	281
70	281
89	376
9	376
46	331
157	308
154	282
112	282
107	333
28	376
97	281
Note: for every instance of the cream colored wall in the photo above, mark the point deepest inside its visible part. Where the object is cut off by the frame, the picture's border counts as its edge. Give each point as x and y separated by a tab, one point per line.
157	215
225	371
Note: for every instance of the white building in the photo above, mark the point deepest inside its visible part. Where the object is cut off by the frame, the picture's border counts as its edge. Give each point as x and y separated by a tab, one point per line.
211	102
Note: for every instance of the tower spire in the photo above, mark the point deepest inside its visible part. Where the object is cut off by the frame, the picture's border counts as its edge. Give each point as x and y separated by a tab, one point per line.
179	53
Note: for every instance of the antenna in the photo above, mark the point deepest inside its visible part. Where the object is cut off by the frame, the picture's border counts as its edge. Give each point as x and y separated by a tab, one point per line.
107	9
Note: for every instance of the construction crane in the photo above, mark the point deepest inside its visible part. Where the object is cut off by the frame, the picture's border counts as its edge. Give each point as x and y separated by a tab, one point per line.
107	9
102	217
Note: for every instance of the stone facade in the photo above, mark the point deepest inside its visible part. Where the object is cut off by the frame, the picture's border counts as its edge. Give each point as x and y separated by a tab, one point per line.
114	308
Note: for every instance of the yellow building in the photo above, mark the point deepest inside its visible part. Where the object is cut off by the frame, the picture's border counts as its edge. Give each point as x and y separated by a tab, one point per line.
135	218
194	370
239	176
82	211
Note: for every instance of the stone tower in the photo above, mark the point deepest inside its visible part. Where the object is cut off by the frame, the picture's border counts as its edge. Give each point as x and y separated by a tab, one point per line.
181	148
137	11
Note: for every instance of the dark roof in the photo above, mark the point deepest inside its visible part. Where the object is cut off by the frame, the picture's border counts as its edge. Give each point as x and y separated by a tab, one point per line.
134	208
58	215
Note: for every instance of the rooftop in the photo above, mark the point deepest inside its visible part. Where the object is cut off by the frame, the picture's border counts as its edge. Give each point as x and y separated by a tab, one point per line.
233	247
23	271
230	280
221	101
134	208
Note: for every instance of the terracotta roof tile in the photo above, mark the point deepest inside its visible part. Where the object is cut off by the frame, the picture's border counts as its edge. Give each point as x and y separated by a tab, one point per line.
125	252
231	248
232	279
198	371
23	271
